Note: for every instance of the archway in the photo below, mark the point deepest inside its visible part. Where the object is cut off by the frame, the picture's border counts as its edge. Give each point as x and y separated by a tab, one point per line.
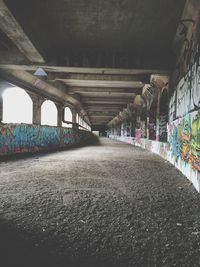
67	117
17	106
49	113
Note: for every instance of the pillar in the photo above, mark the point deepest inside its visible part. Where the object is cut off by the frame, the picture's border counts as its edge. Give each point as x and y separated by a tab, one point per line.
75	123
158	118
2	87
1	107
60	114
37	103
148	125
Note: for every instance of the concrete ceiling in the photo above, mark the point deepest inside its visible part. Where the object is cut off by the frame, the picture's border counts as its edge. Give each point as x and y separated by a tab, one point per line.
99	53
99	24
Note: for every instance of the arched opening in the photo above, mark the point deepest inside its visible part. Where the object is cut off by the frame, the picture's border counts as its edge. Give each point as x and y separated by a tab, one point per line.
49	113
77	118
80	121
67	117
17	106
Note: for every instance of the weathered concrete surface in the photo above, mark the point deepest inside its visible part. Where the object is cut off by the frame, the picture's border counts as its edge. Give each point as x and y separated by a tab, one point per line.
27	138
107	205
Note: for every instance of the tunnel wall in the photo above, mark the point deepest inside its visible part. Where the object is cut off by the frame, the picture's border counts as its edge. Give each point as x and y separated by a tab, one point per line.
27	138
183	130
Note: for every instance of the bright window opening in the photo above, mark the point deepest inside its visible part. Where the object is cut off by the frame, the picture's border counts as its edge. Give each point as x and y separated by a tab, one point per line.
67	117
17	106
49	113
77	118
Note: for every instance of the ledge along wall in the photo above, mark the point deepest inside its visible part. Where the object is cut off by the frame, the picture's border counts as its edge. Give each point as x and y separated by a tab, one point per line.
27	138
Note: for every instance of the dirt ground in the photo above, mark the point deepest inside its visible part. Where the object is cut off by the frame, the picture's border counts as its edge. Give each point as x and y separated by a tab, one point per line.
110	204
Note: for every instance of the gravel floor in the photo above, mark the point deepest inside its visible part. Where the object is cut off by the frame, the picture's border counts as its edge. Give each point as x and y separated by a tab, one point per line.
106	205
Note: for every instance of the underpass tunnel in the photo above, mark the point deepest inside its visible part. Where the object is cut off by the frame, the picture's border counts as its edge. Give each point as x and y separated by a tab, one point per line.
99	133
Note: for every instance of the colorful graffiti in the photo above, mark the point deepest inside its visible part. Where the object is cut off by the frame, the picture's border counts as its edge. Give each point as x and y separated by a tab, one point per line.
138	135
187	94
50	136
6	138
152	131
69	136
172	108
25	138
184	138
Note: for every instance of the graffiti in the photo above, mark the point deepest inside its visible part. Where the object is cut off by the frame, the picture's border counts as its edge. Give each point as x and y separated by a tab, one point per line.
195	85
152	131
50	136
25	138
188	96
195	144
172	108
185	140
183	105
143	129
6	138
138	135
68	136
163	128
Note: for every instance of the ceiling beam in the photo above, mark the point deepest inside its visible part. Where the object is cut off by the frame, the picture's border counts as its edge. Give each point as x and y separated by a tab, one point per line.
81	90
104	106
105	84
111	71
99	116
102	113
101	100
113	112
109	95
145	78
14	32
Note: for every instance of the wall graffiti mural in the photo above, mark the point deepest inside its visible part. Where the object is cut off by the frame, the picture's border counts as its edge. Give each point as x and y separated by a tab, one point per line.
6	138
69	136
184	138
143	129
25	138
138	135
163	128
50	136
172	108
196	85
188	96
152	131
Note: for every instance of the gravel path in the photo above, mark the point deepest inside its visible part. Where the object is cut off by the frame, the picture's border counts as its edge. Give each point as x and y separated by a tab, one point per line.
111	204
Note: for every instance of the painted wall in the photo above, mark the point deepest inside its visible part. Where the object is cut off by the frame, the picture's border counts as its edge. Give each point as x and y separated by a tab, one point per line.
25	138
183	146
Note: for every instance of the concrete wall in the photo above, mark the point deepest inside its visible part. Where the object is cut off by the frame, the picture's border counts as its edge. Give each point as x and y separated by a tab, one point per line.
26	138
183	146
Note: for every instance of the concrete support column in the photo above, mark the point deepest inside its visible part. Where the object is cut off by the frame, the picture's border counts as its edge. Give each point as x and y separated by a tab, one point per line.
148	126
60	115
2	88
1	107
74	113
122	129
158	117
37	103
